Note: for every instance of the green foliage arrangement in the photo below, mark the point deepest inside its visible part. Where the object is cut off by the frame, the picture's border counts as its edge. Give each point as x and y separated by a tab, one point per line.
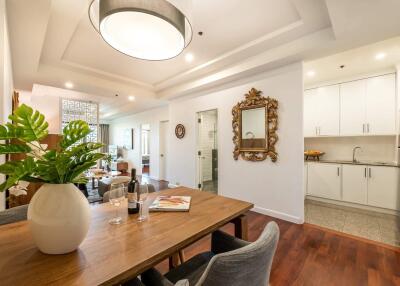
64	165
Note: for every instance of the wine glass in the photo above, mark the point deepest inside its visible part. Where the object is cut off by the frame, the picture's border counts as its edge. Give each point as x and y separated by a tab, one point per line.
117	195
140	195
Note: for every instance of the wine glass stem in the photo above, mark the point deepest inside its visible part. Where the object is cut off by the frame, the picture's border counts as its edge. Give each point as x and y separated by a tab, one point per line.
140	209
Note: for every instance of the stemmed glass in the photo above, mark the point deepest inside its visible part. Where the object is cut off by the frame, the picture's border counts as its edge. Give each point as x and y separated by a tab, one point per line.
140	195
117	195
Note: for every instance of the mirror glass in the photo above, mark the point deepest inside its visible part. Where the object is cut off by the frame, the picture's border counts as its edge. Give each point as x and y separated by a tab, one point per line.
253	128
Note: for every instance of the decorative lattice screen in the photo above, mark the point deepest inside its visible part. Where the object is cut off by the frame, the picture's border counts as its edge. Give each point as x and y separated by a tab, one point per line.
81	110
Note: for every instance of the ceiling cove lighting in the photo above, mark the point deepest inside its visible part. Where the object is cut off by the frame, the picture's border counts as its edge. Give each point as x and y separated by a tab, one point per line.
380	56
150	30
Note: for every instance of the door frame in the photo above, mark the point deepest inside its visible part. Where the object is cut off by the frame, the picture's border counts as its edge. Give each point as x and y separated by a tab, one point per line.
198	180
162	167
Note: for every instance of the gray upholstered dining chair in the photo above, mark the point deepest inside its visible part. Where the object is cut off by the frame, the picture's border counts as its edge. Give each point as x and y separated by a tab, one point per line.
13	214
232	262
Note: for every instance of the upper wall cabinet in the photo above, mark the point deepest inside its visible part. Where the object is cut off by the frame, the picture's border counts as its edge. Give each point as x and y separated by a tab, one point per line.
361	107
352	108
381	105
321	111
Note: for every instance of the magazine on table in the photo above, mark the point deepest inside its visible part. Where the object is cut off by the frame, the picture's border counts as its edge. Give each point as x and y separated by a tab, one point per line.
171	204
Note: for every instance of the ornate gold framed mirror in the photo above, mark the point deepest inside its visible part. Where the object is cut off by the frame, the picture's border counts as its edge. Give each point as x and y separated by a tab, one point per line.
255	121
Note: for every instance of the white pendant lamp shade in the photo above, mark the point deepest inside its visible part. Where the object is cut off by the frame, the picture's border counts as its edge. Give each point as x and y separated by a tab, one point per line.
144	29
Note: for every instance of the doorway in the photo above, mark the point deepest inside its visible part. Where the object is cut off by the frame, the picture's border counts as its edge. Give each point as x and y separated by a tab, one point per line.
145	149
164	128
207	150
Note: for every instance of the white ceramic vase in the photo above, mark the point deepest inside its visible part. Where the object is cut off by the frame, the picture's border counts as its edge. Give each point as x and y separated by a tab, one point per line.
59	218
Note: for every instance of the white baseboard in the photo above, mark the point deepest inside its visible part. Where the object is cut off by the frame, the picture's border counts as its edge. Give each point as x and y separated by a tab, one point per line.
279	215
354	205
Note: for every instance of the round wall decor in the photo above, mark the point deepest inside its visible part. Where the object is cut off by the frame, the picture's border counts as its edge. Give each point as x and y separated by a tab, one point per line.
180	131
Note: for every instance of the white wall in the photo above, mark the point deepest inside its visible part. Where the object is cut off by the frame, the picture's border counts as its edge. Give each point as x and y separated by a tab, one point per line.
275	188
133	157
374	148
49	106
6	79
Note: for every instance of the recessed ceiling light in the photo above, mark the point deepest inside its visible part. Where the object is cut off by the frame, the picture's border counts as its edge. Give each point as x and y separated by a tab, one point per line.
380	56
69	84
311	73
131	98
189	57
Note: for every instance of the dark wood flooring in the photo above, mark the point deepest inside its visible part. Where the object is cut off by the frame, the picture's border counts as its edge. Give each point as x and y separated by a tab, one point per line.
309	255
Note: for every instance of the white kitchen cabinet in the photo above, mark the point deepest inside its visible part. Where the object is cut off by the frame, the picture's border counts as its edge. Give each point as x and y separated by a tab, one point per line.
324	180
383	187
352	108
354	184
310	113
380	105
305	179
321	111
328	103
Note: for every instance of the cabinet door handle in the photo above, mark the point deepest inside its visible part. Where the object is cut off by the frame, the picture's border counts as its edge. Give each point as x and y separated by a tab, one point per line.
316	130
365	172
338	171
367	127
369	173
364	128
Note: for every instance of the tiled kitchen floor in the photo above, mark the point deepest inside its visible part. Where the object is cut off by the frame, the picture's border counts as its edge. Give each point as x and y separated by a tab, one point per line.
371	225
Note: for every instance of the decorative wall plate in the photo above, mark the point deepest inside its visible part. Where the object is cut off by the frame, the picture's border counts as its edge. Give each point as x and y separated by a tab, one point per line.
180	131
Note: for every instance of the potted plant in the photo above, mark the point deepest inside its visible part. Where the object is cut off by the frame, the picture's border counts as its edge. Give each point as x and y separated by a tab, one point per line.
58	214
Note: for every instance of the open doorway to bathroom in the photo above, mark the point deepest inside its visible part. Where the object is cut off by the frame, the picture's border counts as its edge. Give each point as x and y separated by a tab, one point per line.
145	149
207	150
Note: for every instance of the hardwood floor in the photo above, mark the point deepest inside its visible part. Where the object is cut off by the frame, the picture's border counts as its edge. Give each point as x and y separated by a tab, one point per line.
309	255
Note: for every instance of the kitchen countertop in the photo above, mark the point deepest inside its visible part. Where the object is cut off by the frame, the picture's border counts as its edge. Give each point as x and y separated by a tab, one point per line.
368	163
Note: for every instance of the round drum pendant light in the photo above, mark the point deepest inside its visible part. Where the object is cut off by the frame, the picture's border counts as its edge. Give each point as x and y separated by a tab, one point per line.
145	29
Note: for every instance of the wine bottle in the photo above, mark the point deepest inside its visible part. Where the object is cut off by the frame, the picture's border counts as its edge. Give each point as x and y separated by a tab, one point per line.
133	206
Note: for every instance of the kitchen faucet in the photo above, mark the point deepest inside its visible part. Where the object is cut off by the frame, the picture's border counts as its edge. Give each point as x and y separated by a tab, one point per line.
354	153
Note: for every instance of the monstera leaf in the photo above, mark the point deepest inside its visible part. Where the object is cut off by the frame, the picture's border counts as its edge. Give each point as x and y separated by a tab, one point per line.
10	131
14	148
17	170
32	123
64	165
73	132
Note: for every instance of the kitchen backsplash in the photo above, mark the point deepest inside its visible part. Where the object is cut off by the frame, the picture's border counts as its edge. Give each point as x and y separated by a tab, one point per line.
374	148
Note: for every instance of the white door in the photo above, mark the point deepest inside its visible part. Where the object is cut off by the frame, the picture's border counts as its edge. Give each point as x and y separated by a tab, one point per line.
352	108
164	131
381	105
327	104
324	180
355	183
310	113
383	187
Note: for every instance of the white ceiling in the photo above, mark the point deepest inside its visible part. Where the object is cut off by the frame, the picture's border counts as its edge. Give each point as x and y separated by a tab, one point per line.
52	41
359	61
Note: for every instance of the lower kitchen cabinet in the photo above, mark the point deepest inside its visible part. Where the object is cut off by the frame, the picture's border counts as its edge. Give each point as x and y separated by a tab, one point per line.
377	186
324	180
383	187
355	184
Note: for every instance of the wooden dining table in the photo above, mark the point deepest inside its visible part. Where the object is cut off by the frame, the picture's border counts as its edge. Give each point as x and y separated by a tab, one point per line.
112	254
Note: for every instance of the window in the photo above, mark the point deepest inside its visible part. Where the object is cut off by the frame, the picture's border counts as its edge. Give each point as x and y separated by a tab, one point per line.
81	110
